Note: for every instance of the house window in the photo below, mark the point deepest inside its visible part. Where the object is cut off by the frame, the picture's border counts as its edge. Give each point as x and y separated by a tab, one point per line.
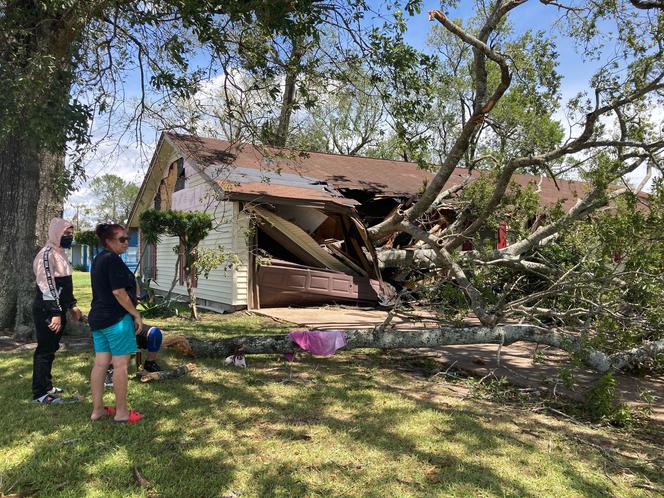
179	182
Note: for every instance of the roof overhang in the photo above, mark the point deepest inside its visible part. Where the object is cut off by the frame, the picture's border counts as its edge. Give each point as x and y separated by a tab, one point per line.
267	193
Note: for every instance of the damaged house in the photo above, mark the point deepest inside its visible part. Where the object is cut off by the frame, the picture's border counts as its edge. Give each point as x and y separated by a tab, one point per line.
295	221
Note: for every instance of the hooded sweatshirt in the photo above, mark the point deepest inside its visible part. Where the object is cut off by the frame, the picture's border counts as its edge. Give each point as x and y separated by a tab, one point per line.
54	292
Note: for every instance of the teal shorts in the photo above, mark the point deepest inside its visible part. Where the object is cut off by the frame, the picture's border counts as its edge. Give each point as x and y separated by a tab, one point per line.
118	339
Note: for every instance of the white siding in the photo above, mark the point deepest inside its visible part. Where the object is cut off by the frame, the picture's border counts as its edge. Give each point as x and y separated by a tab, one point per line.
241	273
166	266
224	285
194	178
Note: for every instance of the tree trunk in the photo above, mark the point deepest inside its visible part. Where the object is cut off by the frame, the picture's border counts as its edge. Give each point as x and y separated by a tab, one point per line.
288	100
50	205
28	201
192	296
19	197
28	197
426	338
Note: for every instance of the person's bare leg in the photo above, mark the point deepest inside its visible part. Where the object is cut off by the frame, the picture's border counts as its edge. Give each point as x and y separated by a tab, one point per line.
97	375
120	381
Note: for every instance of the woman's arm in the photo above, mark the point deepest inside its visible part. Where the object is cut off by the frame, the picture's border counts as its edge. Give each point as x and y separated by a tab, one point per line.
125	301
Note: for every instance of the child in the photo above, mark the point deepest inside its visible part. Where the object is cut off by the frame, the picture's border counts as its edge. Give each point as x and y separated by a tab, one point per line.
149	338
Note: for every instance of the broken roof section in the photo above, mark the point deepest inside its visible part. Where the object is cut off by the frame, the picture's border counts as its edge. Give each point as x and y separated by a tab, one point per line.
296	240
272	192
268	171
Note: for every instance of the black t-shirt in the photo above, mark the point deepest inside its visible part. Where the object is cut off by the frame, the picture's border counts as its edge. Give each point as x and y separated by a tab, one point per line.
109	273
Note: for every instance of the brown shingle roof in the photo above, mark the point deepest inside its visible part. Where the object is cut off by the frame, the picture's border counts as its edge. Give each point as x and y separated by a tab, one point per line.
382	176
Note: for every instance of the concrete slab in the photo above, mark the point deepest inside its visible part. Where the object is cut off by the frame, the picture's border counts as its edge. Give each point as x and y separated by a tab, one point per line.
516	362
517	365
341	317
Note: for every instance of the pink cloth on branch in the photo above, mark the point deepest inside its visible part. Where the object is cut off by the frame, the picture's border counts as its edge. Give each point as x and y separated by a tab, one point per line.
319	342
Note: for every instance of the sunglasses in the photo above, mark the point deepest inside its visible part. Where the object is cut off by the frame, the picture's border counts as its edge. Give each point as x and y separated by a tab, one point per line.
123	239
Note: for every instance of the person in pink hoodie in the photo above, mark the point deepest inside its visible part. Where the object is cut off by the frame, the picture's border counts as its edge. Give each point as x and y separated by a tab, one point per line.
54	296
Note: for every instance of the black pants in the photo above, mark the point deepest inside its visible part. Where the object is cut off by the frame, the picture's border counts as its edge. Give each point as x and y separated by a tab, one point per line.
48	343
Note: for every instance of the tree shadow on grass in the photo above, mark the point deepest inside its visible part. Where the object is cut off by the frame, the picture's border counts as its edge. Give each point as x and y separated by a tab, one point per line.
66	455
371	427
320	427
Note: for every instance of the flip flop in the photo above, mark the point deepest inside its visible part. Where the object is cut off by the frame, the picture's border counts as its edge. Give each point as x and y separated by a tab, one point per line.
134	417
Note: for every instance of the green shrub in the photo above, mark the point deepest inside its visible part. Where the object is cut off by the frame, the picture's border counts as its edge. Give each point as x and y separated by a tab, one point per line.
604	404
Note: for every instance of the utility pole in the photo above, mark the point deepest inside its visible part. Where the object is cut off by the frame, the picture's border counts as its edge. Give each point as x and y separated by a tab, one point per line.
77	223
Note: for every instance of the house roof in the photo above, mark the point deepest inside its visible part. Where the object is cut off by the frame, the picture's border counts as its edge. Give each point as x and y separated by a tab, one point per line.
393	178
381	176
270	191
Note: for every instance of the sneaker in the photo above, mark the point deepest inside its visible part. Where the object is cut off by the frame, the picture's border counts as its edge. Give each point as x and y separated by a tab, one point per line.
55	390
151	366
48	399
108	380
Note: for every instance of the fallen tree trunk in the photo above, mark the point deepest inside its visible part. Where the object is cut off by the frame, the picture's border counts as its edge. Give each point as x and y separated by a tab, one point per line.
427	338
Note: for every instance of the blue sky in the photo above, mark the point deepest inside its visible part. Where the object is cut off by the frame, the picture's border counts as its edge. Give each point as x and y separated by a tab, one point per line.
534	16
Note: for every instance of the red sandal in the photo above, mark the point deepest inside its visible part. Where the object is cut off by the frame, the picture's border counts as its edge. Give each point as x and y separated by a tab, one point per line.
134	417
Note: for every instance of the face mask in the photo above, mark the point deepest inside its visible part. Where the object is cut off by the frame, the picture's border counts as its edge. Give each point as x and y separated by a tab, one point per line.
66	240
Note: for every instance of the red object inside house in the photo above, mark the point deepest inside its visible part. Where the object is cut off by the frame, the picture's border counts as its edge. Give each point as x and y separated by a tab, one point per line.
502	235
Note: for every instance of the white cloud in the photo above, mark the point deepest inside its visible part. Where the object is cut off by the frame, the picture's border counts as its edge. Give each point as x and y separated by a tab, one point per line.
122	155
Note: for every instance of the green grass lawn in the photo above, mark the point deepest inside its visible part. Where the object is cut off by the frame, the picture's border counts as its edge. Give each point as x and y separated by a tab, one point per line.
82	290
350	425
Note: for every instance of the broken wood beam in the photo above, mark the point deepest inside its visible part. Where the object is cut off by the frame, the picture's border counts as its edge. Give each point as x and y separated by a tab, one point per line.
172	373
346	260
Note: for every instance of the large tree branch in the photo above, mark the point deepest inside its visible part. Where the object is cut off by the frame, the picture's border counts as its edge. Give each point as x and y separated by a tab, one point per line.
582	142
462	142
445	260
430	338
647	4
499	191
594	200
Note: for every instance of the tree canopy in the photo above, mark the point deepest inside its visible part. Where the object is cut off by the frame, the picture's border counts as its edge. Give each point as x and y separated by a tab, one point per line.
114	198
484	96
